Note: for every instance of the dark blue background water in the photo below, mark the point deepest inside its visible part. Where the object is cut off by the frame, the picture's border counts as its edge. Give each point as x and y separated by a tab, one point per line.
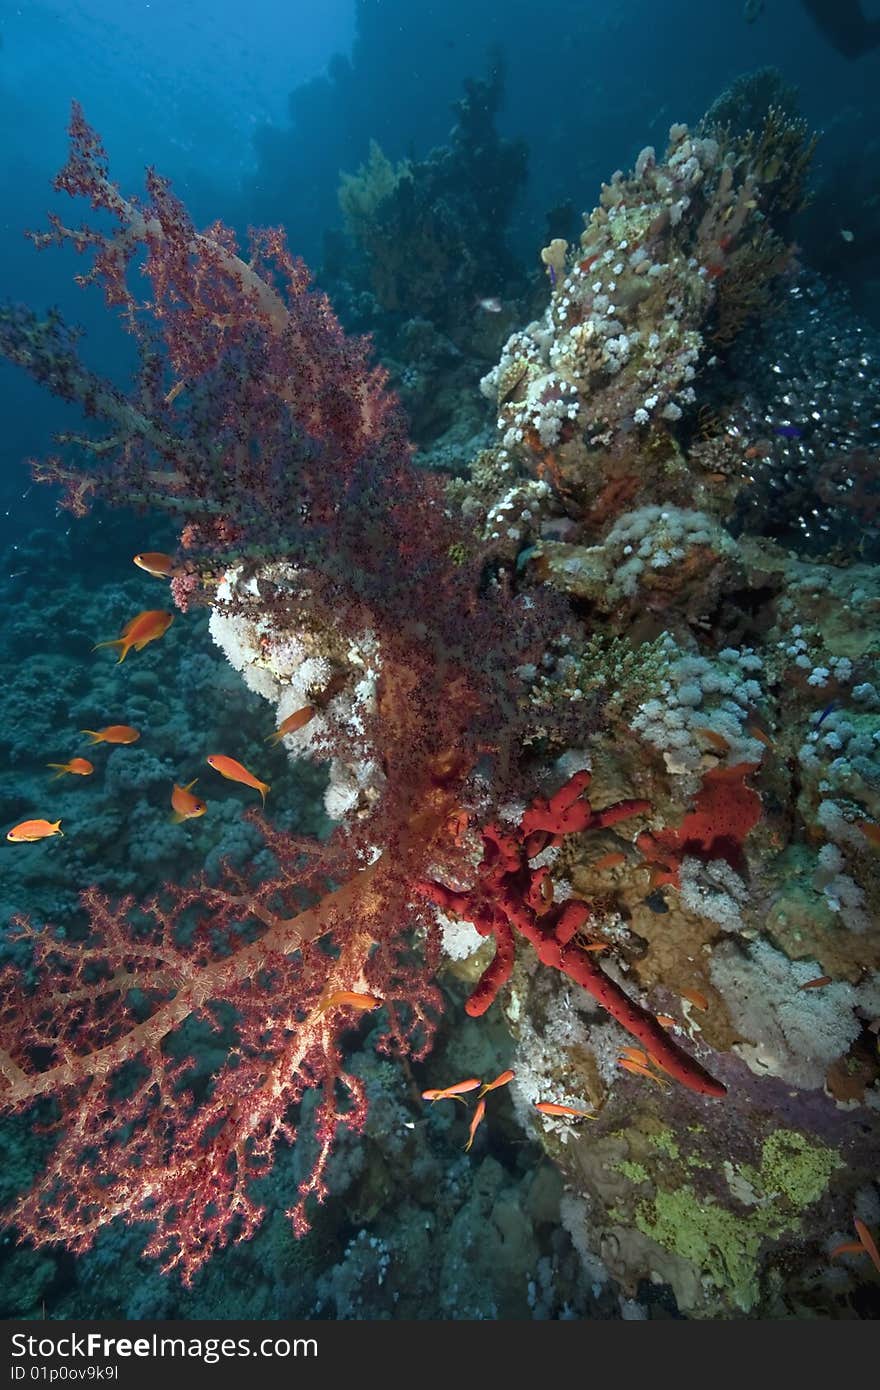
213	94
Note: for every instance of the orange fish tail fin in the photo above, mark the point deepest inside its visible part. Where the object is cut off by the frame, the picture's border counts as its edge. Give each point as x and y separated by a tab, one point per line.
62	768
114	642
264	788
58	830
276	737
92	733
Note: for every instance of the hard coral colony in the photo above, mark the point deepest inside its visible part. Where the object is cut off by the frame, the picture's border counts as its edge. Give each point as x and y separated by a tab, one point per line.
575	615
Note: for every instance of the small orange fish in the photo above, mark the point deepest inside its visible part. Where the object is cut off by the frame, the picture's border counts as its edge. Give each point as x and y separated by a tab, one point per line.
333	687
30	830
475	1123
155	563
594	945
638	1070
870	830
80	766
849	1247
868	1242
297	720
453	1092
609	861
818	983
236	772
693	996
754	731
186	806
667	1021
550	1107
114	733
146	627
718	741
346	998
457	824
500	1080
635	1054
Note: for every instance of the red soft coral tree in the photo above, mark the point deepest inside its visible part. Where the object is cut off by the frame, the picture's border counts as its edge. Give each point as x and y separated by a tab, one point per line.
108	1036
270	435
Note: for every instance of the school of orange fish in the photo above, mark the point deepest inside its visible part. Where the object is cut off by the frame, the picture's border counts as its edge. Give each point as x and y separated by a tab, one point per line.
152	624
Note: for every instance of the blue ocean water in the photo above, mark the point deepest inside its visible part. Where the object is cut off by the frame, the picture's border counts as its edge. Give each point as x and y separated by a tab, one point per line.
514	115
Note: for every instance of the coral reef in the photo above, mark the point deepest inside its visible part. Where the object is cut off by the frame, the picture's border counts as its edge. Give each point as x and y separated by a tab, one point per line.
687	961
432	231
678	251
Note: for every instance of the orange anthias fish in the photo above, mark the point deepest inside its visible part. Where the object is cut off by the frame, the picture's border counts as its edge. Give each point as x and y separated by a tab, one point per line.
29	830
755	731
114	733
871	831
453	1092
501	1080
638	1069
609	861
237	772
849	1247
155	563
868	1242
475	1124
346	998
550	1107
635	1054
695	997
717	741
297	720
818	983
146	627
80	766
186	806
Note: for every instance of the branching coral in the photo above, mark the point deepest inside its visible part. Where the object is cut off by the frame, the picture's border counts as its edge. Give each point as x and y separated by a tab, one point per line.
143	1135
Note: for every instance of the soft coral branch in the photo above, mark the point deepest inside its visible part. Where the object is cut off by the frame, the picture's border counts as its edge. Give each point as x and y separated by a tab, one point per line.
142	1135
255	419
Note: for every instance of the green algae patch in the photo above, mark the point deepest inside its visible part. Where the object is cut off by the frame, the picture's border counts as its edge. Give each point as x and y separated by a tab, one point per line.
725	1244
663	1140
797	1169
634	1171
